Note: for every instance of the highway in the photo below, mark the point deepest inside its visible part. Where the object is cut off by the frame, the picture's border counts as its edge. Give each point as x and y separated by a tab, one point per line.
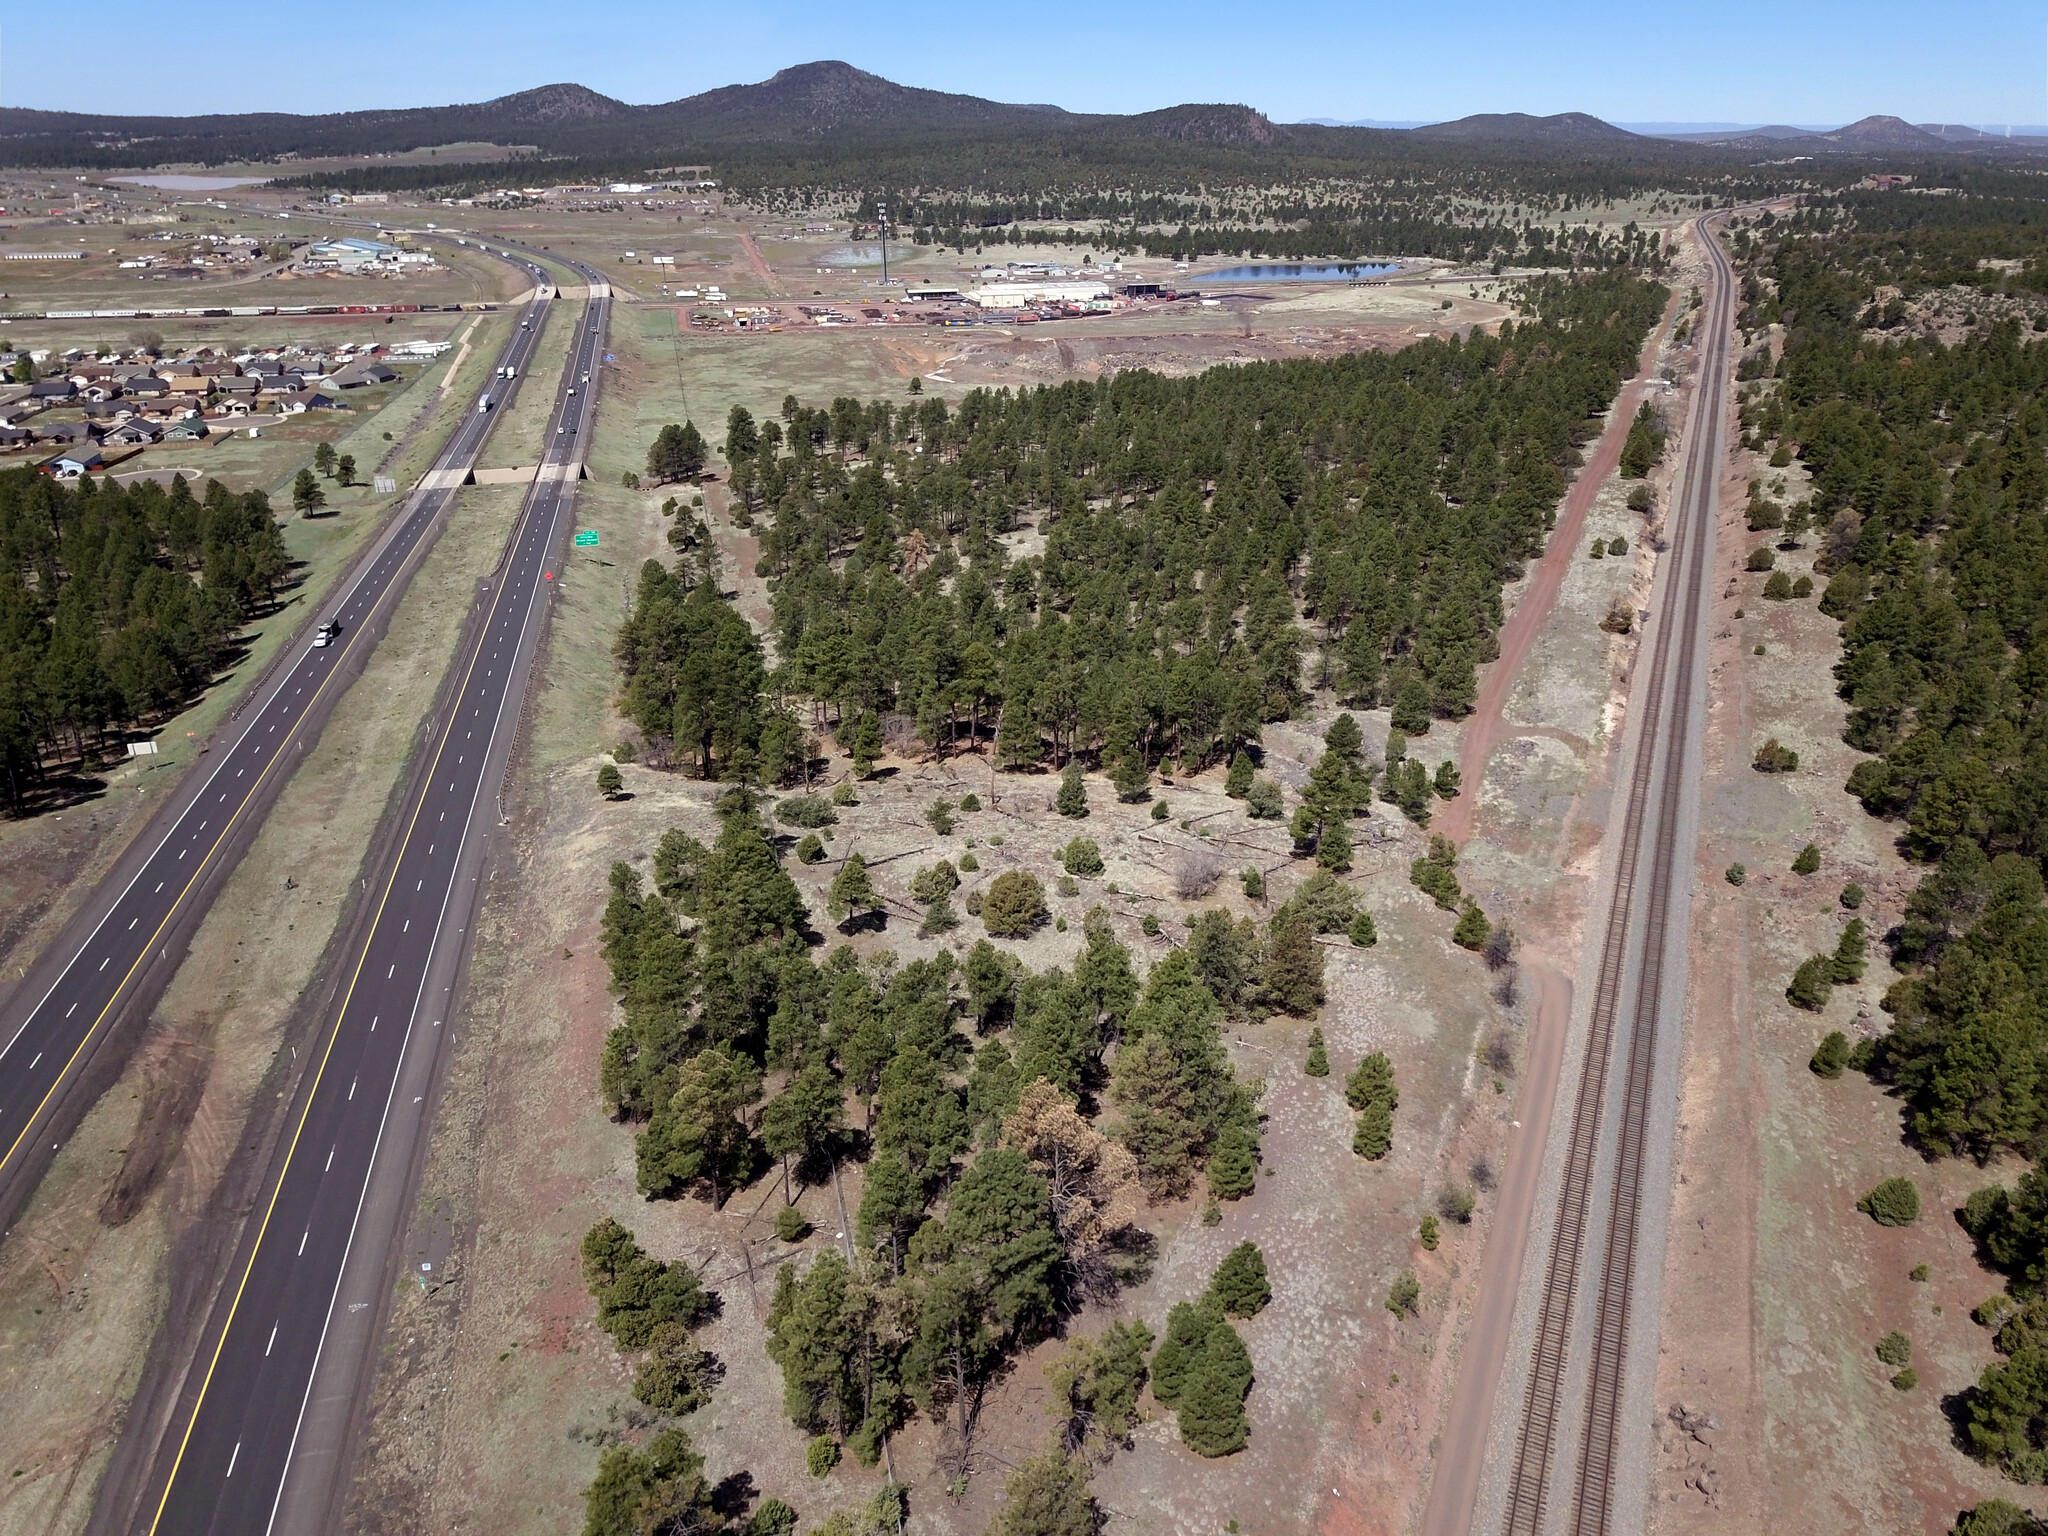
258	1440
1577	1401
114	958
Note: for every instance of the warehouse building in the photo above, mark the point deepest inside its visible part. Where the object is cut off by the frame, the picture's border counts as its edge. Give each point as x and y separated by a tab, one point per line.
1018	295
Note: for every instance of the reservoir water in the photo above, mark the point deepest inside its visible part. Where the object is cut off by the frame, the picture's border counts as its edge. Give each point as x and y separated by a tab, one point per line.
1301	272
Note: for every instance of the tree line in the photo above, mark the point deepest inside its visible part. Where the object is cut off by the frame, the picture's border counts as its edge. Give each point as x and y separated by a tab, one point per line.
1189	525
117	605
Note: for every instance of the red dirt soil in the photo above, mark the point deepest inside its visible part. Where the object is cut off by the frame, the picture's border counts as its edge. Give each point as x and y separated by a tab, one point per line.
1518	634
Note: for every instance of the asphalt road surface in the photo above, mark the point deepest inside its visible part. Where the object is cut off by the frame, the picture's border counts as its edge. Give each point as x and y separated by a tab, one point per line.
116	956
259	1438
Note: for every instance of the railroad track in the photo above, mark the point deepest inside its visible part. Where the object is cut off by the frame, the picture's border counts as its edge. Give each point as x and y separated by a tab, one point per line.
1625	1011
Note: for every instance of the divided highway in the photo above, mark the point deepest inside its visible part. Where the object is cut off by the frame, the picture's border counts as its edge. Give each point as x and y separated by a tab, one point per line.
259	1437
114	958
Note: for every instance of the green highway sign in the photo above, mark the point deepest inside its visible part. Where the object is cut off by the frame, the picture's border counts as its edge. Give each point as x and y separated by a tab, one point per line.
587	539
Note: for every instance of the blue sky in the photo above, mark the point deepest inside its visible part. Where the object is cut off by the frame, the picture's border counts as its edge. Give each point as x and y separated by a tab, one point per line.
1809	61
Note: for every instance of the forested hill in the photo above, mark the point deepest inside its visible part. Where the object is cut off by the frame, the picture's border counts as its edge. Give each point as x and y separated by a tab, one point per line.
1384	497
829	125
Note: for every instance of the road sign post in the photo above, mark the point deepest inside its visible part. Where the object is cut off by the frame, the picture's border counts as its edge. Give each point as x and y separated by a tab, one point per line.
586	538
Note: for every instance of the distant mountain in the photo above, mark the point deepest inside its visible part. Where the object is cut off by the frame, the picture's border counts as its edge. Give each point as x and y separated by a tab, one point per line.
1521	128
814	100
1204	125
1881	132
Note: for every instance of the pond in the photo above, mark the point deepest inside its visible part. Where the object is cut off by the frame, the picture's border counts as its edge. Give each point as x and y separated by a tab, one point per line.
860	255
1302	272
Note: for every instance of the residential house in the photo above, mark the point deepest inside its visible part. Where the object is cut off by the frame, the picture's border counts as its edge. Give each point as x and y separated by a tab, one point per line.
72	432
363	373
191	430
135	433
74	462
307	400
15	437
52	389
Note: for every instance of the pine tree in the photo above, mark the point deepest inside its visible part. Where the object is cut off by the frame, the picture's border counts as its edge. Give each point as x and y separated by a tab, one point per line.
1448	779
1346	740
867	744
853	892
1211	1408
1847	965
892	1204
1234	1165
1132	779
1238	783
1812	984
697	1136
1808	861
1318	1063
1240	1285
1072	800
1363	931
1372	1082
1333	852
1294	963
1473	928
1374	1137
1188	1327
1047	1496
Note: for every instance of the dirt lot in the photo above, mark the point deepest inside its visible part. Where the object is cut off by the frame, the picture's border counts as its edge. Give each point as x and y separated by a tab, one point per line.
83	1276
1776	1288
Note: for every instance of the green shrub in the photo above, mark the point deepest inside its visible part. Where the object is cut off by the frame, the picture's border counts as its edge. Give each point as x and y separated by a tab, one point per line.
1735	874
1639	499
1895	1349
1066	886
970	801
1318	1063
934	883
1893	1203
1405	1294
1262	802
809	848
1428	1233
1254	882
1762	558
1160	810
1372	1082
1808	861
1803	587
1238	782
1906	1380
1852	896
1149	925
969	863
806	811
1082	856
1831	1055
1455	1203
609	782
790	1225
940	817
1779	587
821	1455
1014	905
1363	932
973	903
842	794
1775	757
